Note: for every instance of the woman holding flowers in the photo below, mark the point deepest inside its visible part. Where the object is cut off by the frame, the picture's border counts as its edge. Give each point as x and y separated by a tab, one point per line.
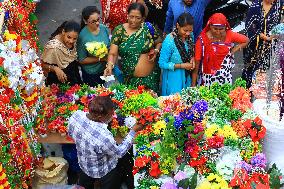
214	49
137	43
176	59
59	58
92	46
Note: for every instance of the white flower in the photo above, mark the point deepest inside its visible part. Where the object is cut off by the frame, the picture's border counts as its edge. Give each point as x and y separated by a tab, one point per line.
108	78
130	122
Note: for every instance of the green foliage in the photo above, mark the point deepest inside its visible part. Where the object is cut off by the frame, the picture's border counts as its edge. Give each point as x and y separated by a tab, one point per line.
137	102
274	179
239	83
146	183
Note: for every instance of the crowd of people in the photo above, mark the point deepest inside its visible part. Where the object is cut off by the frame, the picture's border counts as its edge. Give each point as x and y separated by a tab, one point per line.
156	43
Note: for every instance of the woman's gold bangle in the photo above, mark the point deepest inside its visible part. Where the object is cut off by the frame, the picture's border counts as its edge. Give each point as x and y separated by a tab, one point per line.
110	64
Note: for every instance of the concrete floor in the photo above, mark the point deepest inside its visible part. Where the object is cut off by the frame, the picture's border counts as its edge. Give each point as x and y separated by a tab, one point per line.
52	13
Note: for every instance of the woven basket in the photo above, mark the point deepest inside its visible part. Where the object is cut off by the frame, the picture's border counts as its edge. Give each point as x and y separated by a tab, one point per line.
273	143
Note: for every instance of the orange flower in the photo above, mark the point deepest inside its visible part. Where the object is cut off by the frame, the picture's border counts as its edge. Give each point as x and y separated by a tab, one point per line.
73	107
84	100
62	109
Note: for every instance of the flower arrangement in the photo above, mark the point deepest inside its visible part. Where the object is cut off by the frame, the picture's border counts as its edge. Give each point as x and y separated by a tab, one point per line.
149	164
213	136
97	49
4	183
21	100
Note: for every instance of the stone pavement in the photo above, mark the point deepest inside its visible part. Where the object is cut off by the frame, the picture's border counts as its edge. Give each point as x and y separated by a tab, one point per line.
52	13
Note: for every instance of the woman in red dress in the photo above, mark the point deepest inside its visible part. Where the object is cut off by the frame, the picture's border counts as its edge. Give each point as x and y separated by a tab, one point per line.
115	11
214	50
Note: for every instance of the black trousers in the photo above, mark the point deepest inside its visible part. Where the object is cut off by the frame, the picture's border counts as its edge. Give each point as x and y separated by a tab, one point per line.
125	167
109	181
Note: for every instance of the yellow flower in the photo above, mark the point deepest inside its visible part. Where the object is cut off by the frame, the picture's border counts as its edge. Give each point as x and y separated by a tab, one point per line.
8	36
204	185
228	132
154	187
158	126
211	130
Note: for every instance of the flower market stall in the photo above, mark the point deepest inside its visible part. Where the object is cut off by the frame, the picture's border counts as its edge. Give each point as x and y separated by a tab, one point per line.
21	81
203	138
207	138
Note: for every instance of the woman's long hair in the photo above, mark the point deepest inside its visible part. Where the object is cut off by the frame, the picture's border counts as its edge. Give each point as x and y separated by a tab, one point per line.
67	26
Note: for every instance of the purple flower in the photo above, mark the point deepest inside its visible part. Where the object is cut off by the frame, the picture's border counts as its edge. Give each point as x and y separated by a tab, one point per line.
180	176
120	119
259	160
244	165
200	107
178	122
169	185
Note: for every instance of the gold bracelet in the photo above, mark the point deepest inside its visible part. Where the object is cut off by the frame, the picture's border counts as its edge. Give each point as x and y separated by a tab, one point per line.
49	68
110	64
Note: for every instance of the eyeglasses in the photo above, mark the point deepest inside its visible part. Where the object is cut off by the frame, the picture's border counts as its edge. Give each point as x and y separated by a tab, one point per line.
94	21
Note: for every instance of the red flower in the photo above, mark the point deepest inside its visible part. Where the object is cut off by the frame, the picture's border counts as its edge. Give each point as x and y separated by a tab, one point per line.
154	170
141	161
247	123
258	121
154	154
135	170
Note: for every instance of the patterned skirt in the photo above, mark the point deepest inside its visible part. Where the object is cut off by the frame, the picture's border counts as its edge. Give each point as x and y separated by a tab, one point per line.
223	75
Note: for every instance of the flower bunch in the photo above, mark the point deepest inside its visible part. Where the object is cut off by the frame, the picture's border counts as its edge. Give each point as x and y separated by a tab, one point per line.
158	127
226	164
147	116
4	183
243	180
255	129
149	164
239	128
136	102
241	99
171	104
97	49
214	181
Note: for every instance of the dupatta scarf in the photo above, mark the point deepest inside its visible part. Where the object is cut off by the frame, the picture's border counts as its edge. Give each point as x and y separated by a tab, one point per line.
257	22
136	44
130	49
213	59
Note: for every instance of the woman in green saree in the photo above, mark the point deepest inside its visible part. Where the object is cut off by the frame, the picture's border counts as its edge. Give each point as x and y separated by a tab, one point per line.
137	43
